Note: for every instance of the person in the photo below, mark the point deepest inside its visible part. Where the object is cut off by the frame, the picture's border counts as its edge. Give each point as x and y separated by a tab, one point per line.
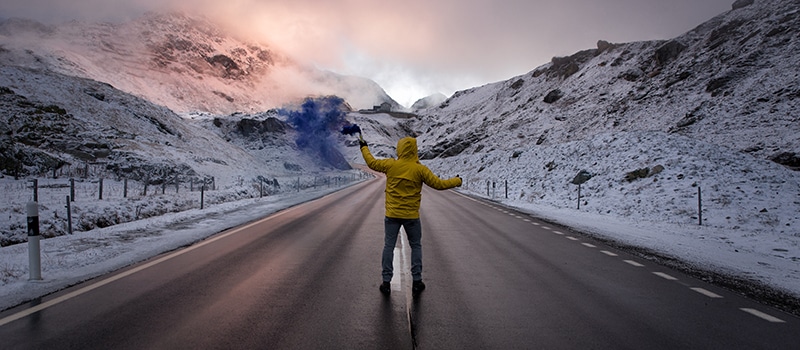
404	178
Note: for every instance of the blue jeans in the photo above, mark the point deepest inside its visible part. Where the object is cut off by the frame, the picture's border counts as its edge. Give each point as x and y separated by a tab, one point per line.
413	229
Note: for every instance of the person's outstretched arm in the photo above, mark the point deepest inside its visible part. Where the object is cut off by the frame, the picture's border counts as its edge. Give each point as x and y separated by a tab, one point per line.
434	181
381	165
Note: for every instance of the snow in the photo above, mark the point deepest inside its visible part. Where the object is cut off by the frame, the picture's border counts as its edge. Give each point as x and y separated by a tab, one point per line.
71	259
768	257
605	124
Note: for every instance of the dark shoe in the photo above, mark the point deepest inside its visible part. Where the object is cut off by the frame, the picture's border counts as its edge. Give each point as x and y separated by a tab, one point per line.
385	288
417	287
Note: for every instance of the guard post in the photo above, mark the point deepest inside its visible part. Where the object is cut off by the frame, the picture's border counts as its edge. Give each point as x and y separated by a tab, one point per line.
34	255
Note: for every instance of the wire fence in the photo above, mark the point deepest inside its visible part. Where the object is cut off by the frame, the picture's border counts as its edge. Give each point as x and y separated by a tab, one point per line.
77	204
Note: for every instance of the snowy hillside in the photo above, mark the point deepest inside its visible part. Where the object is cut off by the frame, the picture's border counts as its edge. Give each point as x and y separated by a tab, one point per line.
651	124
185	63
732	81
60	127
718	107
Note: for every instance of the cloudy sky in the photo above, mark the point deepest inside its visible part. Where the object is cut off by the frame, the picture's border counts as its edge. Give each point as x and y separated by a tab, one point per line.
414	48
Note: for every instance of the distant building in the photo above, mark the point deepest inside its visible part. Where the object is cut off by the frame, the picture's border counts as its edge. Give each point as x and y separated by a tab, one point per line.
384	107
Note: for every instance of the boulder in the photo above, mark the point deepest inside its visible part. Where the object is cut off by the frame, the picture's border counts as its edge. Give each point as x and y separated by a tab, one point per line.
741	3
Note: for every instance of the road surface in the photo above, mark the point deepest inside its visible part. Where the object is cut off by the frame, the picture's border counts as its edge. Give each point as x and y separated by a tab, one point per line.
307	278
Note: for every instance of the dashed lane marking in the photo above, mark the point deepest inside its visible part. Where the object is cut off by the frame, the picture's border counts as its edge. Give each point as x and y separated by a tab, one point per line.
536	223
546	228
762	315
558	232
631	262
707	293
665	276
606	252
572	238
589	245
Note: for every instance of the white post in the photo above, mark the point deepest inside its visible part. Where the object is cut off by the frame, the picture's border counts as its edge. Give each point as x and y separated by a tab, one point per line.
34	255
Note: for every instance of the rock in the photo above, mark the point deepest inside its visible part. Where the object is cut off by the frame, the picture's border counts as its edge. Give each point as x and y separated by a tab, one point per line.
668	52
603	45
656	170
637	174
553	96
788	159
741	4
632	74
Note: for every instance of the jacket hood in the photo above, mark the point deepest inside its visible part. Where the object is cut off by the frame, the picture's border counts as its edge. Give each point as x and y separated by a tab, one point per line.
407	149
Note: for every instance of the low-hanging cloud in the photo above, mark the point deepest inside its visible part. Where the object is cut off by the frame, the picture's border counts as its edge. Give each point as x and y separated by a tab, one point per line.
415	47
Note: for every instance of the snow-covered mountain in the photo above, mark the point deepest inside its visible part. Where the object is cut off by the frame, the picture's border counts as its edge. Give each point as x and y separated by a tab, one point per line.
58	124
429	101
732	81
185	63
717	107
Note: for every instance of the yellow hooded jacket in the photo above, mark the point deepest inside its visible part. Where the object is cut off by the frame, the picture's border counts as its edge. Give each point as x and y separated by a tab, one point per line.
404	178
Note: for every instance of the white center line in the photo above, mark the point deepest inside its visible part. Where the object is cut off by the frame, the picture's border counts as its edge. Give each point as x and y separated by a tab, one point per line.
631	262
707	293
536	223
572	238
546	228
608	253
558	232
665	276
762	315
589	245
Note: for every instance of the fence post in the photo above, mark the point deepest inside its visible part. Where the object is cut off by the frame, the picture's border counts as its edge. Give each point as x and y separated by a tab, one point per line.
101	188
699	206
487	188
177	185
260	188
506	189
69	216
72	189
164	187
579	196
202	194
34	253
125	188
35	190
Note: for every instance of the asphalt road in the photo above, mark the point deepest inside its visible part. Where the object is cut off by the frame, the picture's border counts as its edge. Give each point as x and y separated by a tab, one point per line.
307	278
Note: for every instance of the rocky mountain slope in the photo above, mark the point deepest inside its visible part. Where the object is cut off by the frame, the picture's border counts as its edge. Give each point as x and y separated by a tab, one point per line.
68	126
732	81
185	63
648	123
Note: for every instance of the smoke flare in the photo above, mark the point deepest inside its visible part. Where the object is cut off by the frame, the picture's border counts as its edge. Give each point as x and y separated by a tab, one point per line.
315	122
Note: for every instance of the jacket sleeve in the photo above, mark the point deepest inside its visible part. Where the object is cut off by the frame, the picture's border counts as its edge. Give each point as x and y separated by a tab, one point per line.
430	179
381	165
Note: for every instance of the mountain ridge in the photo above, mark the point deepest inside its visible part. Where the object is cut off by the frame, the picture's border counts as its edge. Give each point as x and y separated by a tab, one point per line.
186	63
717	73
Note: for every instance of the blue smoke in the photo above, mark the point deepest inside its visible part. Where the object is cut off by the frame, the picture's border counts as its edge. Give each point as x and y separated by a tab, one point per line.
351	129
315	122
